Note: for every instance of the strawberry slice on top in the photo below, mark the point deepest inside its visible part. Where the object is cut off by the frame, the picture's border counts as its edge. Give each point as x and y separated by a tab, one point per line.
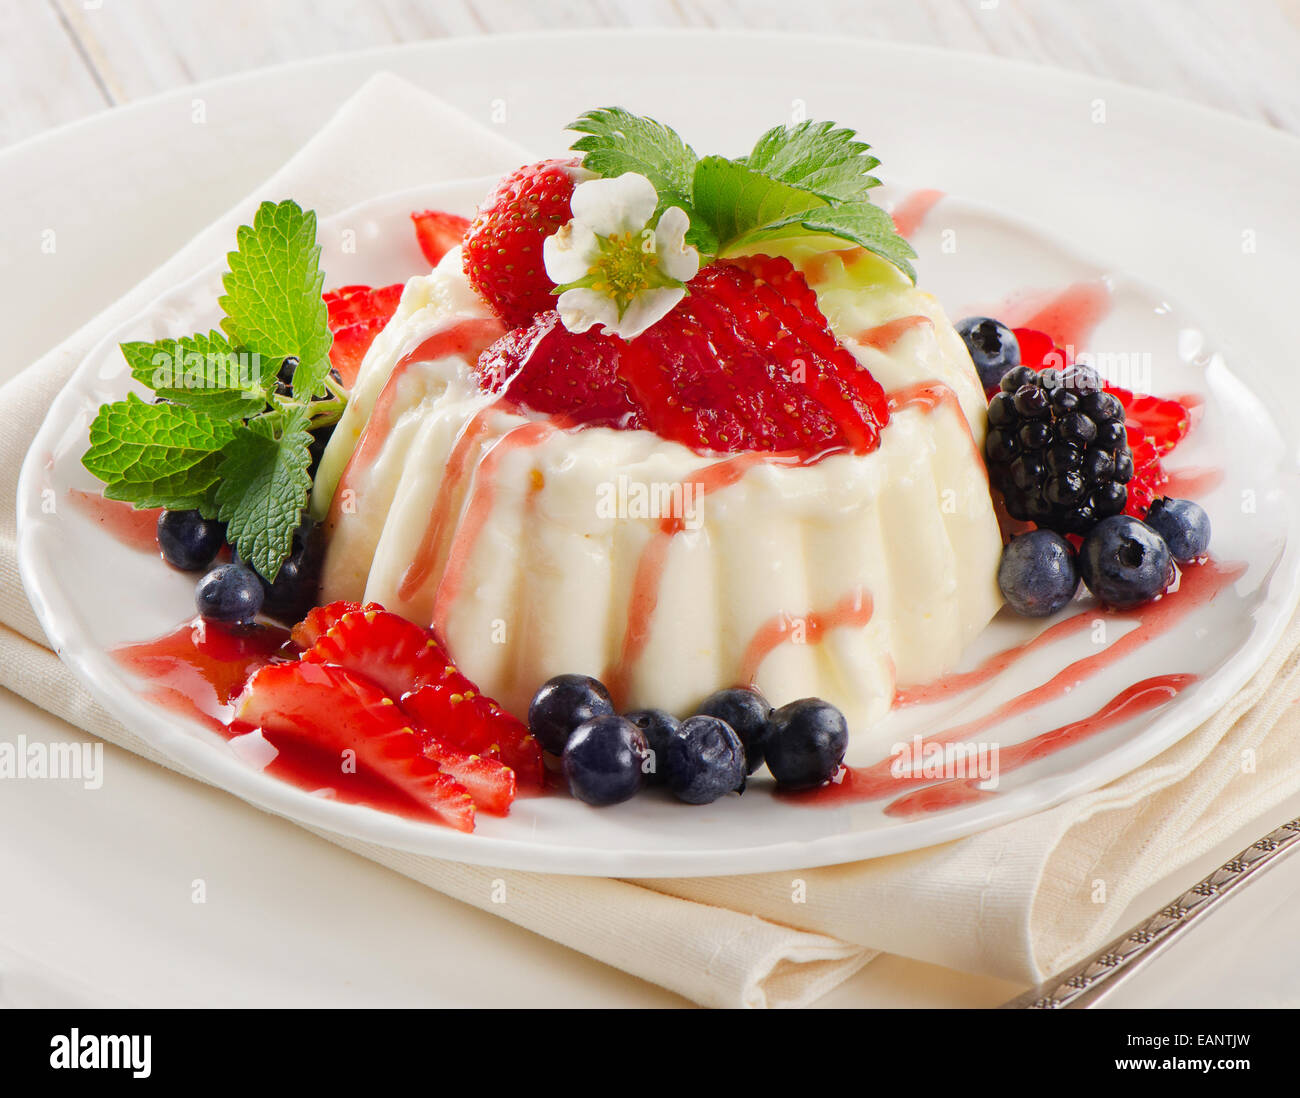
745	362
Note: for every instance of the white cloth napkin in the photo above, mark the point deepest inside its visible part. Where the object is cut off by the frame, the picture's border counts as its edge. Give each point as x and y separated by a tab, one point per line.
1019	901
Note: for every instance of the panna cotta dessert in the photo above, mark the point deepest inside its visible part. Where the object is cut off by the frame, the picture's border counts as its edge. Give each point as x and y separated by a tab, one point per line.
665	472
534	547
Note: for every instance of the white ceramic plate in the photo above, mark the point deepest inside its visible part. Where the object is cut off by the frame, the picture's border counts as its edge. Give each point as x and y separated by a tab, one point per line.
65	558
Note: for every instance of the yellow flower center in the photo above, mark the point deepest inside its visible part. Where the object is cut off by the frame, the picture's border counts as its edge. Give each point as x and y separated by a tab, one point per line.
625	267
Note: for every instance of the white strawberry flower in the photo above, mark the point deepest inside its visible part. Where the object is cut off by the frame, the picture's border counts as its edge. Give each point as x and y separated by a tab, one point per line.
612	266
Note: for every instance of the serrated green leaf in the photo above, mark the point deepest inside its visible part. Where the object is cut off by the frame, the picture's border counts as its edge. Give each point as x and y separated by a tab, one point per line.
203	372
177	493
264	487
735	199
273	299
859	223
618	141
153	451
816	157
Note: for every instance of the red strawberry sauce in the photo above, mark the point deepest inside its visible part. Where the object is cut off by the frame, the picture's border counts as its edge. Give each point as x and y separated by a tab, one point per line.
1068	317
854	610
138	529
911	212
477	512
883	336
468	338
1197	585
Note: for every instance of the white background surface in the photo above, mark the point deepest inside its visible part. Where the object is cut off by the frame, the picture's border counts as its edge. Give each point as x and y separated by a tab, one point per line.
292	919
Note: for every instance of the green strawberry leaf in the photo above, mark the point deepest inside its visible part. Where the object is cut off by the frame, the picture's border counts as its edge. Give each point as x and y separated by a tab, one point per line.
859	223
818	158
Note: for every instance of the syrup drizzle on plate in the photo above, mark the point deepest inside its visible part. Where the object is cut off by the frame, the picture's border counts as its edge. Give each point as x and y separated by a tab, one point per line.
1197	585
121	521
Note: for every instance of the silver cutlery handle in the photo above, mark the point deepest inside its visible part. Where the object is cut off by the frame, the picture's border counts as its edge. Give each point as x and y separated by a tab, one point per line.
1086	982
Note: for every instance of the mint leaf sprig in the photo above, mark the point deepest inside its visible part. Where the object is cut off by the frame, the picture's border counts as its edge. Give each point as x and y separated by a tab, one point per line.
809	179
223	437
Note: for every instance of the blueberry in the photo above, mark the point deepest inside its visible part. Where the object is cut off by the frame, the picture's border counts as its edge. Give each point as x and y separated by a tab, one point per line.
294	591
706	760
806	743
189	541
562	704
602	759
1183	524
1037	574
657	727
230	593
747	712
993	347
320	438
285	376
1124	562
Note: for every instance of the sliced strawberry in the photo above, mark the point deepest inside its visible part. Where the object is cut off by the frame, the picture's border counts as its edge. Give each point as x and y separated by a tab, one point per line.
1149	476
319	620
503	245
356	315
410	666
1163	421
469	722
438	232
336	711
491	783
745	362
393	653
566	374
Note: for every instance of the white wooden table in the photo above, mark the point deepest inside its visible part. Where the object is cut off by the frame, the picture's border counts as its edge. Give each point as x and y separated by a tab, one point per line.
389	941
64	59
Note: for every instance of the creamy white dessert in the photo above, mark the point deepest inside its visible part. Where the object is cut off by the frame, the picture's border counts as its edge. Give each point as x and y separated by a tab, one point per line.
535	551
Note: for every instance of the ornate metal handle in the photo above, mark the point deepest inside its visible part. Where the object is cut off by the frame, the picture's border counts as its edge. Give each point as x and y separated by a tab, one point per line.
1086	982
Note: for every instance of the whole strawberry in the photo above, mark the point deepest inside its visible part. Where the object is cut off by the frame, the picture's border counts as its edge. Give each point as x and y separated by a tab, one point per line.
503	247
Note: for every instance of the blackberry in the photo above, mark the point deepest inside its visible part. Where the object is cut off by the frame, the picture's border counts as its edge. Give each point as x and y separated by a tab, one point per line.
1057	448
